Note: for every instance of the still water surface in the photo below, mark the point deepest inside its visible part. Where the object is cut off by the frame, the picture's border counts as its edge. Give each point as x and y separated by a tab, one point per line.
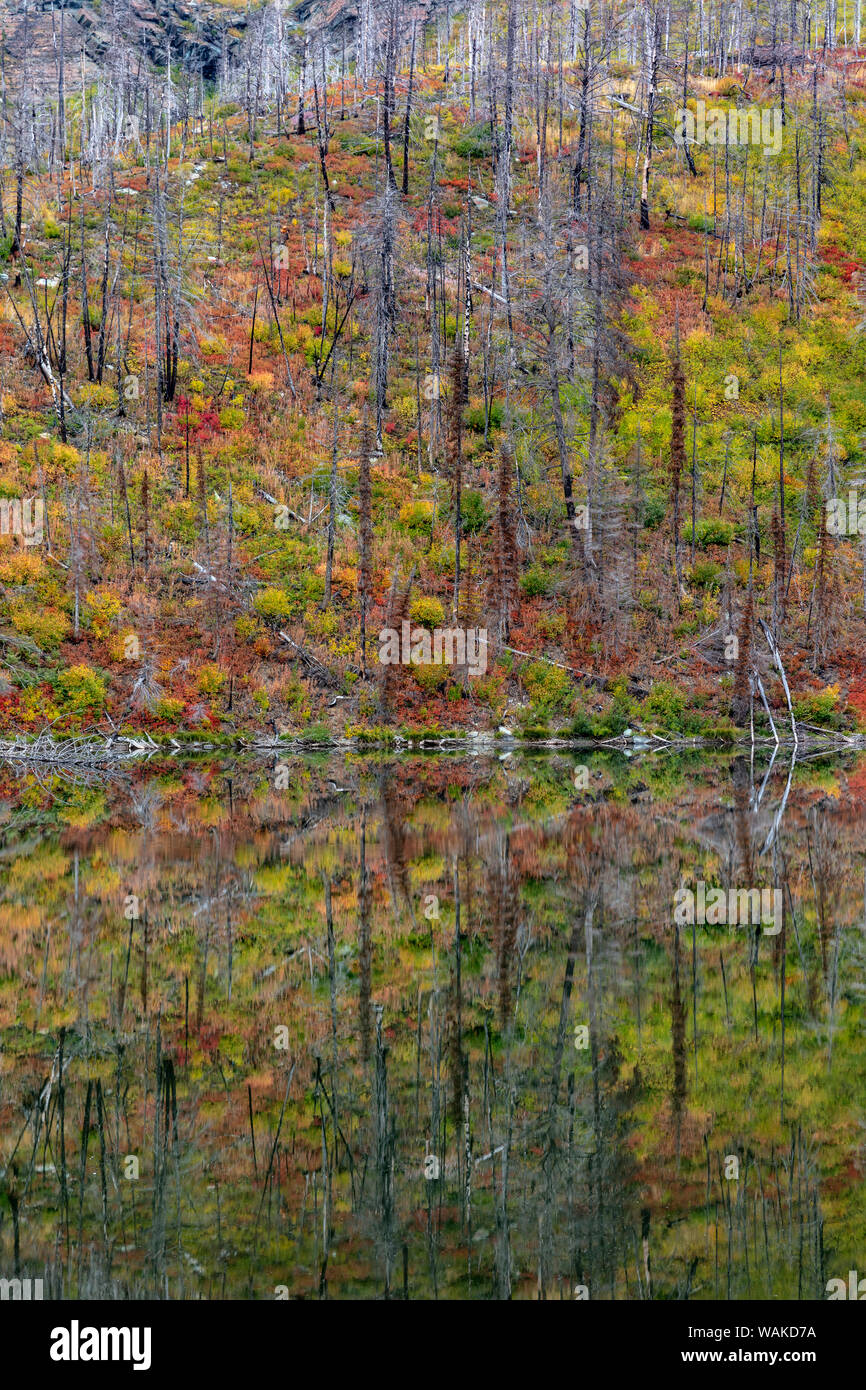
428	1027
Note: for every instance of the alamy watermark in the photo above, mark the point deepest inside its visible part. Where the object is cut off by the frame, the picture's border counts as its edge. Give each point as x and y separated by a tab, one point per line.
19	1290
76	1343
720	125
22	517
855	1288
847	518
736	907
416	646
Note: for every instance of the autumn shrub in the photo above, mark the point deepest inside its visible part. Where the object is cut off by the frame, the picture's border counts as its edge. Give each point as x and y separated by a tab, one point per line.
548	687
169	709
46	627
104	608
20	567
210	679
431	678
490	691
247	520
124	645
819	707
427	612
65	457
180	520
272	604
98	396
441	559
81	689
231	417
321	624
416	514
551	625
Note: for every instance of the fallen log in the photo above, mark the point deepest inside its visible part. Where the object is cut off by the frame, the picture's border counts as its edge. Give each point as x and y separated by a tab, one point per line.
317	670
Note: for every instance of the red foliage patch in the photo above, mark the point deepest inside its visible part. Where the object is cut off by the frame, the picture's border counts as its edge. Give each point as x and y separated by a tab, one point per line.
848	265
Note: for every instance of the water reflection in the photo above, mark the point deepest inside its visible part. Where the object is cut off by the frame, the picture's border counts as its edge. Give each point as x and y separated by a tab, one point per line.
428	1027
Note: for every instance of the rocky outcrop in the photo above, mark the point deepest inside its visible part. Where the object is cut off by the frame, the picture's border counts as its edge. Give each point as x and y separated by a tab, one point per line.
198	34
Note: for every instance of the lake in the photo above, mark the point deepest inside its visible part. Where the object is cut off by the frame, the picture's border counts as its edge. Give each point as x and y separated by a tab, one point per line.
432	1026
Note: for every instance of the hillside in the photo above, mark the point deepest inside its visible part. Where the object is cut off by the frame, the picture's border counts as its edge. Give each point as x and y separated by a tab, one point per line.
452	320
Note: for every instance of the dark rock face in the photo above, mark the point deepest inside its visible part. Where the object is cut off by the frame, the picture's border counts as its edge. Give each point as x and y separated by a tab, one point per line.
197	35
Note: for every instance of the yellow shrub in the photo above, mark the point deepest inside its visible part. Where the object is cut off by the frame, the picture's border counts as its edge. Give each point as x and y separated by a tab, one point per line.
46	627
65	456
210	679
104	608
82	689
21	567
427	611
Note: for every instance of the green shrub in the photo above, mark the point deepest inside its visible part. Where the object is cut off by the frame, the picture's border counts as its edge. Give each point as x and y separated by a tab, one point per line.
318	733
711	531
654	512
473	416
665	705
534	583
582	725
620	711
705	575
548	686
819	707
614	721
475	143
81	689
472	513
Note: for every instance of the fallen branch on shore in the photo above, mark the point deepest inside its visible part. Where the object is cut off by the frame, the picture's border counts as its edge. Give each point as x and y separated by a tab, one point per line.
84	752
